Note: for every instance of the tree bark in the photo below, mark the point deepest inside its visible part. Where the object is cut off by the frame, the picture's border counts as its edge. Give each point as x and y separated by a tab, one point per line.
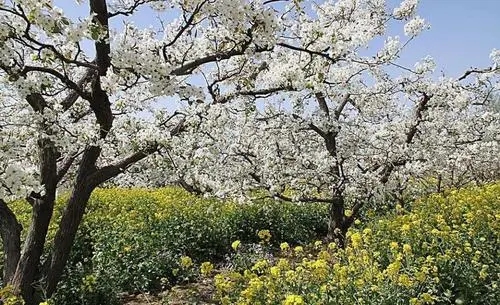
10	231
27	271
27	267
70	220
75	209
87	180
65	236
337	224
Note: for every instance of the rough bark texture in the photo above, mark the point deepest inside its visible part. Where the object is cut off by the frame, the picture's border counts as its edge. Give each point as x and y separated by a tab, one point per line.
336	221
65	235
27	268
10	231
27	271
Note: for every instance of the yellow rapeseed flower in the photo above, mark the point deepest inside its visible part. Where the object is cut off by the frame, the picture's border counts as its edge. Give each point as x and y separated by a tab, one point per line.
298	249
404	280
359	282
264	235
283	264
260	265
324	255
275	271
293	299
484	272
291	276
405	228
406	248
427	298
284	246
414	301
235	245
186	261
393	268
320	269
206	268
356	240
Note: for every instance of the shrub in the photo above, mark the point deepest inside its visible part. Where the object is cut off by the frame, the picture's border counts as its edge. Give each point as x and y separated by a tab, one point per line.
443	251
131	240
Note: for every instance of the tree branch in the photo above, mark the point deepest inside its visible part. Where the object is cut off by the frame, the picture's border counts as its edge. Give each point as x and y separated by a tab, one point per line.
72	97
129	11
65	166
304	199
257	93
189	22
110	171
65	80
320	97
340	108
422	106
100	101
237	50
310	52
478	71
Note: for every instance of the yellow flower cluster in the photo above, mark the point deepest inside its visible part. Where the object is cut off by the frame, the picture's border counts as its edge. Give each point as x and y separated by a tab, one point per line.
293	300
206	268
264	235
8	297
136	234
186	262
442	251
235	245
284	246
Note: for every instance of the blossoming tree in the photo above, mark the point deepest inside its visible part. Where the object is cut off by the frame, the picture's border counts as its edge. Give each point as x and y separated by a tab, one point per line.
83	102
80	105
318	120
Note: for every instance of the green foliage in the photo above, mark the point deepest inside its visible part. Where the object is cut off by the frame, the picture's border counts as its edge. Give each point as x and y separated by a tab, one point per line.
8	297
443	251
131	240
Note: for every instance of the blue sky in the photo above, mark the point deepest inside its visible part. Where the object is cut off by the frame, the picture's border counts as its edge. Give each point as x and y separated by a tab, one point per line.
462	34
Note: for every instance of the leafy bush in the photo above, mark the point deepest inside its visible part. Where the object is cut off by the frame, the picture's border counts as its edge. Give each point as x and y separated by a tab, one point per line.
131	240
443	251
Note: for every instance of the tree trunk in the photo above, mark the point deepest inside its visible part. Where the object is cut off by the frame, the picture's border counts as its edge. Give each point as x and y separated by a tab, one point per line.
10	231
337	224
70	221
65	236
27	271
28	266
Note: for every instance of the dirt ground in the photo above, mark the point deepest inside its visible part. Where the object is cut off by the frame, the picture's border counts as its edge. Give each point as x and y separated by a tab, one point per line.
189	294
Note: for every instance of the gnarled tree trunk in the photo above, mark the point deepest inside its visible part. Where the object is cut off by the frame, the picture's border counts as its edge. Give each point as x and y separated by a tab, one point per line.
337	221
10	231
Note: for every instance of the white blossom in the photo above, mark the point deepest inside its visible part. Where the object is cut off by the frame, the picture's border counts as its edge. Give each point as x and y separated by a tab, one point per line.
415	26
427	64
495	57
406	9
